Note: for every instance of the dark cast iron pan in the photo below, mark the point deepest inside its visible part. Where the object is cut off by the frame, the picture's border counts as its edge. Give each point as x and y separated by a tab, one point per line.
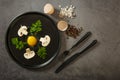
48	28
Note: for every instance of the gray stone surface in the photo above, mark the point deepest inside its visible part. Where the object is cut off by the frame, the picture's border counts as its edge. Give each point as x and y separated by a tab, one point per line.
101	17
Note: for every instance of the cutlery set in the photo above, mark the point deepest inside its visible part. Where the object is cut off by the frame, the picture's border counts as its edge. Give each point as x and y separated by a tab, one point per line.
76	55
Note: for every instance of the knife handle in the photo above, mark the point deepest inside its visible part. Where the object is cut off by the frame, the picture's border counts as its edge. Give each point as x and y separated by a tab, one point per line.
82	39
64	64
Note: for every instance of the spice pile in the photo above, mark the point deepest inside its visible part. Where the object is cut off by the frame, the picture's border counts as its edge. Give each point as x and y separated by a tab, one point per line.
67	11
72	31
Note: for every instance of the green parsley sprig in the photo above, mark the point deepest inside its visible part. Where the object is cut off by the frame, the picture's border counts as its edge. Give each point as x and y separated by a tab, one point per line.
19	44
42	52
36	27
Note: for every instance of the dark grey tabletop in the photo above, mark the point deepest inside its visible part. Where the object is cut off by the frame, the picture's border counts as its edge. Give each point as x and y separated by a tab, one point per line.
101	17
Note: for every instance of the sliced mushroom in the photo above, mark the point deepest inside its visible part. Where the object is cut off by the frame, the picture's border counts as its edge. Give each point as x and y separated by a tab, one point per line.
22	31
29	54
45	41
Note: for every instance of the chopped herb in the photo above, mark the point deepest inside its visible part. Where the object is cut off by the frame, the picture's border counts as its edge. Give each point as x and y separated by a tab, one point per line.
35	27
19	44
14	41
42	52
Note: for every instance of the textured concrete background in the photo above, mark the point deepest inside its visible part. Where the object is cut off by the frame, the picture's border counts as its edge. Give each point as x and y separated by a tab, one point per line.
102	17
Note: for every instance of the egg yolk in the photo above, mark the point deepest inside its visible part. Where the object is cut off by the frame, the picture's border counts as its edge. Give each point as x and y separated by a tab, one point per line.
31	40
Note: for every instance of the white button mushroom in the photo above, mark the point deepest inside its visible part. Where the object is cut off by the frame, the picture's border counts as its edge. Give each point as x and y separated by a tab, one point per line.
29	54
22	31
45	41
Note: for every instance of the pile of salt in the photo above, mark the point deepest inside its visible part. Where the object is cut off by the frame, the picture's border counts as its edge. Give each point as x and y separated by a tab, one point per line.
67	11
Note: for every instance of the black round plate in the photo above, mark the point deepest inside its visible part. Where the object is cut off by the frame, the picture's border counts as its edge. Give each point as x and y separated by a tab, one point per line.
48	28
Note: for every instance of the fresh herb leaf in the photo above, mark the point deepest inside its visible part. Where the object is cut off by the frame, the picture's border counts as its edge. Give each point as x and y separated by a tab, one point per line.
42	52
19	44
35	27
14	41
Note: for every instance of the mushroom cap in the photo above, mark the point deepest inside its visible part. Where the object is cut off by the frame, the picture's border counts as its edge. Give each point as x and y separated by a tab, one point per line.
45	41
